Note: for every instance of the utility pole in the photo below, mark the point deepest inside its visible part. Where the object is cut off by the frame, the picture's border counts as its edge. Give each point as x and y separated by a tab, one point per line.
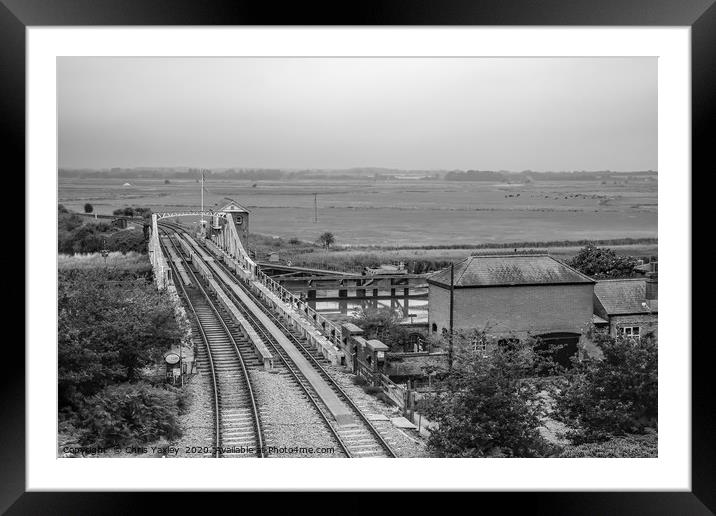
315	207
202	201
452	300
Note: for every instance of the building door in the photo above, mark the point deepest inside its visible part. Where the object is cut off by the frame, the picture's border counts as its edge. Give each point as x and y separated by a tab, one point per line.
561	346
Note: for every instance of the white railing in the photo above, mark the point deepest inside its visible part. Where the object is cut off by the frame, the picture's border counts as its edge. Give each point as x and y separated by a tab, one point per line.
156	256
238	250
327	327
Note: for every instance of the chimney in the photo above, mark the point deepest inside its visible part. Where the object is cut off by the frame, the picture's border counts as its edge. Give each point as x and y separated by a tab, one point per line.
652	286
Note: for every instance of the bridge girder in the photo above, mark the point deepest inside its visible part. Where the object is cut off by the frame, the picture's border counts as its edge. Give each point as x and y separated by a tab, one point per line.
197	213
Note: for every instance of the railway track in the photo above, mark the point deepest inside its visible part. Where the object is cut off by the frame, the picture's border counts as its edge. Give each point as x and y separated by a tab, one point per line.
357	439
237	422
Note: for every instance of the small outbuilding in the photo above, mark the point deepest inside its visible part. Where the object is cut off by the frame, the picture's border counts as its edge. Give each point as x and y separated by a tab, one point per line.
628	307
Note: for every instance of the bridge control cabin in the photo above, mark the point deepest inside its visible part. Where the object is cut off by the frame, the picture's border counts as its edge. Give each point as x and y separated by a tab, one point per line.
240	215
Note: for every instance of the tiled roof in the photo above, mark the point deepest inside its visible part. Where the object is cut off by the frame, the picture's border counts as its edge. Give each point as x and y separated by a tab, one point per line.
598	320
234	206
501	270
625	296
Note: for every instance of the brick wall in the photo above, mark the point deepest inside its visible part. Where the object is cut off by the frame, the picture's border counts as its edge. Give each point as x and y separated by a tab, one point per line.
536	309
647	323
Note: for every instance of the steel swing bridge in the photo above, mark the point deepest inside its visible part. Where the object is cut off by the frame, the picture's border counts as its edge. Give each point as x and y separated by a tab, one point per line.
218	286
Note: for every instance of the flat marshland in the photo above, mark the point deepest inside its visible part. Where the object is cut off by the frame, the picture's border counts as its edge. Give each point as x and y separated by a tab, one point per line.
369	216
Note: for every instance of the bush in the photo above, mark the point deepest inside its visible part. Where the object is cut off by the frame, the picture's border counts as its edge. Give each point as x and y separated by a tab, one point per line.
76	236
614	395
384	398
629	446
359	380
110	326
488	406
127	241
89	208
381	323
130	413
602	262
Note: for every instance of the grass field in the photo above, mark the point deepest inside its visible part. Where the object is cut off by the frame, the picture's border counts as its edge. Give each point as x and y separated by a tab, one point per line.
135	262
402	212
355	259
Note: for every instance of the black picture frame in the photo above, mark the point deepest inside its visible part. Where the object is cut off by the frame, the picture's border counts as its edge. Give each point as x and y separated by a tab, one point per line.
700	15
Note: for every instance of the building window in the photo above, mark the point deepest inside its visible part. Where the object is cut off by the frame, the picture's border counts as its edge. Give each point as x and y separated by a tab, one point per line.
435	328
633	332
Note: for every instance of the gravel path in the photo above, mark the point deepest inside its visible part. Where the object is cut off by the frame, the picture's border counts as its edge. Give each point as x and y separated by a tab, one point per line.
290	421
198	421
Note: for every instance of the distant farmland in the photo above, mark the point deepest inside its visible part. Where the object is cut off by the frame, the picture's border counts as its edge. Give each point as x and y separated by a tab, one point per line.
407	212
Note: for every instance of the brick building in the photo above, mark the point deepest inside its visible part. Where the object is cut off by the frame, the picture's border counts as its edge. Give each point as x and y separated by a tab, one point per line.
629	307
516	295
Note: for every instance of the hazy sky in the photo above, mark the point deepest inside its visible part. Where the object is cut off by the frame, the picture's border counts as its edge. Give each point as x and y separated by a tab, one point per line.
440	113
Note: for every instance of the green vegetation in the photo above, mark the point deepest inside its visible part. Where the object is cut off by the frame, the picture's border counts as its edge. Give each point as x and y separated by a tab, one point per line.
496	396
132	263
88	208
327	239
77	234
129	414
489	404
396	212
602	262
382	324
628	446
133	211
113	326
420	259
611	396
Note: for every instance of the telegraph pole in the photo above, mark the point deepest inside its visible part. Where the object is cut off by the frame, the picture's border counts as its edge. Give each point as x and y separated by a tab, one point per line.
452	300
315	207
202	201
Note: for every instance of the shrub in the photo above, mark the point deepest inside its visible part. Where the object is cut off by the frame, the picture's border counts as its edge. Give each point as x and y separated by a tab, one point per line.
130	413
381	323
89	208
127	241
359	380
384	398
110	326
76	236
629	446
614	395
488	406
